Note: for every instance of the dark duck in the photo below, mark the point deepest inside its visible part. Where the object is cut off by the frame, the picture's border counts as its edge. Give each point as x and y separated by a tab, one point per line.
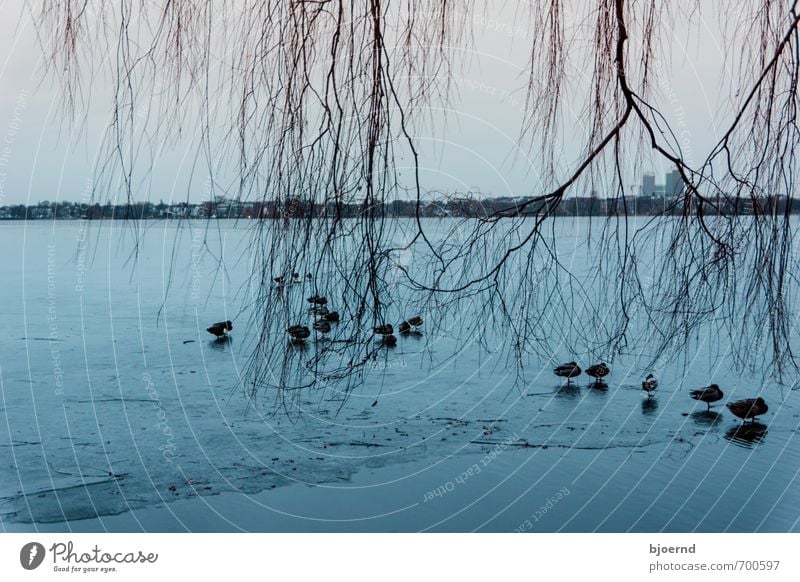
708	394
568	370
748	408
598	371
298	333
220	329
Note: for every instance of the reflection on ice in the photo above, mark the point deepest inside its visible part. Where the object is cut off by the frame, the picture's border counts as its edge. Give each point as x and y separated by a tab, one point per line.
567	390
747	434
220	343
649	405
706	417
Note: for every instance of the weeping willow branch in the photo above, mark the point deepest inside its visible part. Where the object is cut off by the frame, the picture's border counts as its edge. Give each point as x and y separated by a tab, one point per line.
316	104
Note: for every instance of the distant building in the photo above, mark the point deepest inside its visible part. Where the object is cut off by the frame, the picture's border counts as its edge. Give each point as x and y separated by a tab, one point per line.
648	185
673	183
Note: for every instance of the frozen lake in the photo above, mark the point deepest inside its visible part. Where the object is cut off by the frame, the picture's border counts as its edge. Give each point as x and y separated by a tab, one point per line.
118	412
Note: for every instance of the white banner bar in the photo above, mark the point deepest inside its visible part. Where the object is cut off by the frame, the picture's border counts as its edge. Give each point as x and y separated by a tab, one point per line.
370	557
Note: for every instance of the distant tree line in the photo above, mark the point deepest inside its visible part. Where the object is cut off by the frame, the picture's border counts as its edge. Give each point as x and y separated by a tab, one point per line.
456	207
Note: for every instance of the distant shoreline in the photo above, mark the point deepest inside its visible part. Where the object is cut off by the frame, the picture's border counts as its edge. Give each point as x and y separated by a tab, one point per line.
294	209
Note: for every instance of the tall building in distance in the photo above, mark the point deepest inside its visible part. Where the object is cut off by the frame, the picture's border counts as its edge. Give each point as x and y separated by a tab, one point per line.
648	185
673	183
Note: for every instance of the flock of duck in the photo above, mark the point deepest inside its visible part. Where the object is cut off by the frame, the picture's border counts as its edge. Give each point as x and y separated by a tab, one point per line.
748	408
299	333
295	278
322	325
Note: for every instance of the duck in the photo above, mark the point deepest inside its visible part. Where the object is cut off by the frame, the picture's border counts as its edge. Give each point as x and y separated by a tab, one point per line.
317	300
385	329
404	327
319	310
598	371
748	408
649	385
332	316
279	280
415	321
220	329
390	340
708	394
298	332
568	370
322	326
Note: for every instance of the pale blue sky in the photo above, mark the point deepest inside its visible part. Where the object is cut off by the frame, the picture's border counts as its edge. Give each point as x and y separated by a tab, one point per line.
47	157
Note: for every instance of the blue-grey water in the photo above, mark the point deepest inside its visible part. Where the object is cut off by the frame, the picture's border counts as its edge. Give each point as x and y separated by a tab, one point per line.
118	412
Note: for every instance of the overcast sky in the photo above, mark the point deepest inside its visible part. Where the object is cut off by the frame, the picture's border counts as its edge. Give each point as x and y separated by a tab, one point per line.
44	156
